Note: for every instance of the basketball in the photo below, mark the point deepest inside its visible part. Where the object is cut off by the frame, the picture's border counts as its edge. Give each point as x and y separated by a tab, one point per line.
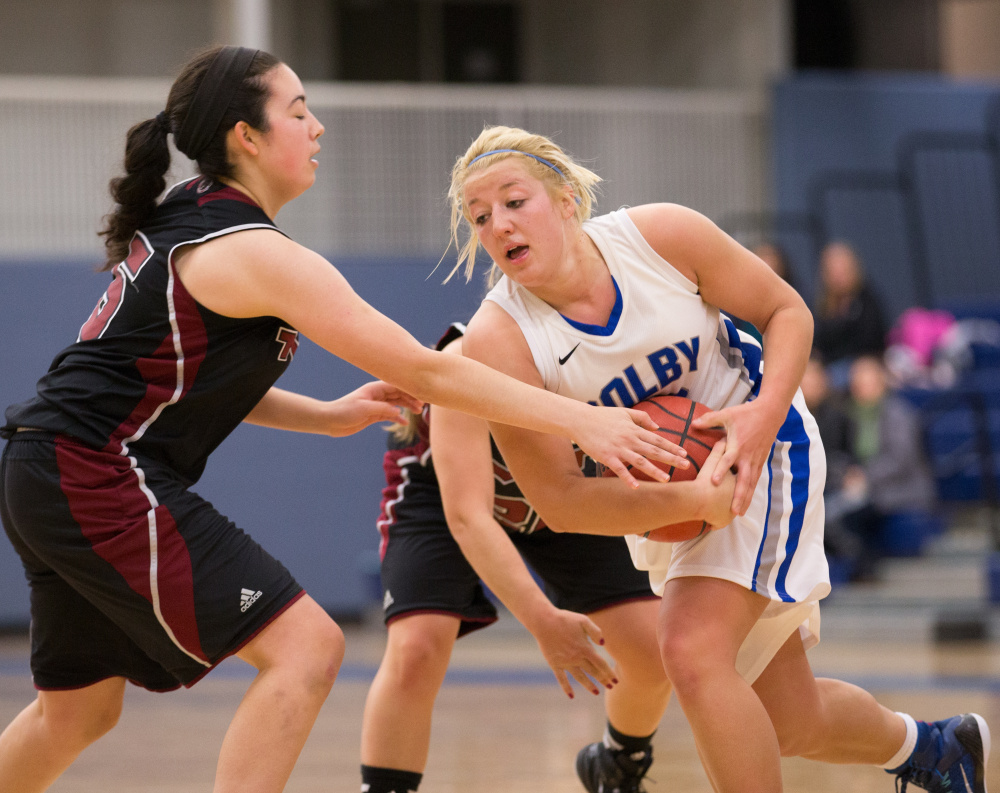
674	414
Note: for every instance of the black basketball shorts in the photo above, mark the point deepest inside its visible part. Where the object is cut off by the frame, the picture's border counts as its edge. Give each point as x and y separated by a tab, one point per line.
131	574
424	571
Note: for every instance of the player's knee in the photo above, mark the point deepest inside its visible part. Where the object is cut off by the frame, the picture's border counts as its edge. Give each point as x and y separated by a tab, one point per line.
79	727
418	658
314	658
106	718
326	654
687	662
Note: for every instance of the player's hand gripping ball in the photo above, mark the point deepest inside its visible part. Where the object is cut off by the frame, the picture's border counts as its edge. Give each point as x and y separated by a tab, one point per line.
673	415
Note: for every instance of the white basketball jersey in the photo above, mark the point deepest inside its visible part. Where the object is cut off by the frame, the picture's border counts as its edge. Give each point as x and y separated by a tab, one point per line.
689	349
662	338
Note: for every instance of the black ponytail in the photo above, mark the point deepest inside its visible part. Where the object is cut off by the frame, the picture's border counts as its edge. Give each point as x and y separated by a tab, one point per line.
147	159
147	154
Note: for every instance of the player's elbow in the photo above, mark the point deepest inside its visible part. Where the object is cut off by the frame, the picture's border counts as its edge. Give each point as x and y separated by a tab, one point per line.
555	515
557	501
558	527
464	521
460	526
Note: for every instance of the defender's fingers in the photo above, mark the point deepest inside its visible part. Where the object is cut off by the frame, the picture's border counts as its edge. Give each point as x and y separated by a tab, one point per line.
642	419
564	684
650	469
381	411
593	631
581	677
619	469
668	453
599	669
406	401
397	417
654	437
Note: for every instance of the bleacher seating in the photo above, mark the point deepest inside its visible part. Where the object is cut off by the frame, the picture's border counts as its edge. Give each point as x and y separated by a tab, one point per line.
962	430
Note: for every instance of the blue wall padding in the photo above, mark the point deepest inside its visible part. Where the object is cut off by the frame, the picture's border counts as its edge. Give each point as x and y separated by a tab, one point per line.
843	144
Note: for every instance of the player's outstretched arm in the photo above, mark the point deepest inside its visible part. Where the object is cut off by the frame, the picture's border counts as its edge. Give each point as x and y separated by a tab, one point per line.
262	273
370	404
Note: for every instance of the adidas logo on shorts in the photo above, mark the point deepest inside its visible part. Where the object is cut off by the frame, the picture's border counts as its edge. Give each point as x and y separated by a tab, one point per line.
248	597
388	600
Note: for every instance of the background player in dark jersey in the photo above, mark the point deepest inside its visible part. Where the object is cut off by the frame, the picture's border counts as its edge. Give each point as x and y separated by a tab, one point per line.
133	576
452	513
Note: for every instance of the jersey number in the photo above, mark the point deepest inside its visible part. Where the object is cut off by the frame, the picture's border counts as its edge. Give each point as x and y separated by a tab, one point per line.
514	512
140	252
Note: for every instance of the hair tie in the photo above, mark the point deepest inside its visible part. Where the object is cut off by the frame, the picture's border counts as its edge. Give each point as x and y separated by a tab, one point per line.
542	160
215	93
163	121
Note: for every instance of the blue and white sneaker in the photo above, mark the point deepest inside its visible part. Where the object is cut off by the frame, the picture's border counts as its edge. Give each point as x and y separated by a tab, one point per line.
950	756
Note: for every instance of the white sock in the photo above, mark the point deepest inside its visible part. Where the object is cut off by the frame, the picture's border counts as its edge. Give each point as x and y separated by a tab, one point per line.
909	743
611	743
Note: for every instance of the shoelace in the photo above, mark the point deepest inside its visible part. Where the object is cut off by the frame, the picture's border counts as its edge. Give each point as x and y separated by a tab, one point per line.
635	771
921	777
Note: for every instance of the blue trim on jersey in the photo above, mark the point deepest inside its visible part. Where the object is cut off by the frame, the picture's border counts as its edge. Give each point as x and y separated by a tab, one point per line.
751	352
767	518
793	432
602	330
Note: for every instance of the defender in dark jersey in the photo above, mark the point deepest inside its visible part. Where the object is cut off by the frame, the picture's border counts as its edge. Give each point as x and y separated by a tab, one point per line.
134	577
444	471
111	433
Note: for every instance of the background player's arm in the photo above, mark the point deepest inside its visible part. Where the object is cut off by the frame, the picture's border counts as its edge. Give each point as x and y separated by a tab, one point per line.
463	462
734	279
263	273
367	405
546	468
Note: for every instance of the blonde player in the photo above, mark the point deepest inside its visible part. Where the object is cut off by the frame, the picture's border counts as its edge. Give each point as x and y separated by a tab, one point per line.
613	309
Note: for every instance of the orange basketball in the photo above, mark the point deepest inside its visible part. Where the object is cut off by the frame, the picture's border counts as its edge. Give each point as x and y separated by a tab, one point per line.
673	415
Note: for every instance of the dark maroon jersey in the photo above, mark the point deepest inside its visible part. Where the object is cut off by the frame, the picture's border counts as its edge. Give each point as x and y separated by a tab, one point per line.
409	474
153	373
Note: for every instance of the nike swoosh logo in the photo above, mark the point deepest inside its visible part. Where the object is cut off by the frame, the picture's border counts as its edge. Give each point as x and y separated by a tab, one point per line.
566	357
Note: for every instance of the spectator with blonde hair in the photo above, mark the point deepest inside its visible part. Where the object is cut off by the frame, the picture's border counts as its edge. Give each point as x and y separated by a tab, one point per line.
849	316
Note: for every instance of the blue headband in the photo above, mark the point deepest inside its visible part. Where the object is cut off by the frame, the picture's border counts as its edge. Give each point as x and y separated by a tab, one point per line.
542	160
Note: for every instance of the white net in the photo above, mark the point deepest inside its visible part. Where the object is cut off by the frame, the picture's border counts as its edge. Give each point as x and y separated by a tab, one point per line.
386	159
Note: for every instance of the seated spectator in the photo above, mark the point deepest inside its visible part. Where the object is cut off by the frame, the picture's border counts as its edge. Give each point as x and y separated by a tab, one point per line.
849	317
892	469
851	525
888	442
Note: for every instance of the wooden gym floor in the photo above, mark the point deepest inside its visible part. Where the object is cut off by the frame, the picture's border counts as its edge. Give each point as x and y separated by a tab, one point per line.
501	723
